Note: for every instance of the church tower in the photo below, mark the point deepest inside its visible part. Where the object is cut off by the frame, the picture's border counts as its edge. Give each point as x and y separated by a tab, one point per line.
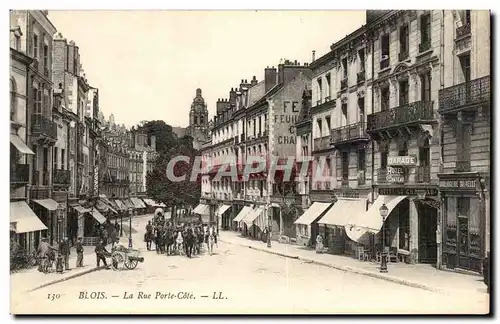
198	116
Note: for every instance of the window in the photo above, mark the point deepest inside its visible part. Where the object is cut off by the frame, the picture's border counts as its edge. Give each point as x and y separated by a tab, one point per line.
425	87
345	165
320	131
361	108
383	160
361	54
424	154
37	100
260	126
463	206
46	56
425	29
13	100
327	119
403	148
467	17
384	98
403	42
384	44
328	87
202	121
320	90
465	65
403	93
361	159
35	46
345	119
344	67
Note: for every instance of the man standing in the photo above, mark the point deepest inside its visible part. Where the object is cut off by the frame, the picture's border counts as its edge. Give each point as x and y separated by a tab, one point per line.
79	253
100	250
64	251
42	253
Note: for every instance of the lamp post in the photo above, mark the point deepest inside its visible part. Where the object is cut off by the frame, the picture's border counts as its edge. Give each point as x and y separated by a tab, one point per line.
121	223
384	211
130	229
269	224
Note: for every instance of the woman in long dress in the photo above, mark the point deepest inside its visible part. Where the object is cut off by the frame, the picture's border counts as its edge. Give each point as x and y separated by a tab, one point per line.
319	243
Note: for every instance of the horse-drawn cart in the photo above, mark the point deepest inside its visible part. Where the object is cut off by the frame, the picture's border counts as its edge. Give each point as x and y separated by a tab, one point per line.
123	258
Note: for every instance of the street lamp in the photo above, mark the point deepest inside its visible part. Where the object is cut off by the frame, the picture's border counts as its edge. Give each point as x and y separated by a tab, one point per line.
384	211
130	229
269	224
121	223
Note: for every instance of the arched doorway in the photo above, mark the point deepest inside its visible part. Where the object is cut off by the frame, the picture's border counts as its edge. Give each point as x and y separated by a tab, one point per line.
427	226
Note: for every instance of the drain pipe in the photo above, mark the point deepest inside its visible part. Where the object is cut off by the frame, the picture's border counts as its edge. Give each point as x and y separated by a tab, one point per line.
373	103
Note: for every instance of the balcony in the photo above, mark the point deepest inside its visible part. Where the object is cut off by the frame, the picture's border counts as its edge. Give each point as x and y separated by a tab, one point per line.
322	143
419	112
19	174
36	178
403	55
465	95
424	46
348	134
462	166
43	128
463	30
61	177
423	174
360	77
384	63
343	84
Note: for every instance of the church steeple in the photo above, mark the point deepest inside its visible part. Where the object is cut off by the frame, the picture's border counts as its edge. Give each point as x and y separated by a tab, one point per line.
198	116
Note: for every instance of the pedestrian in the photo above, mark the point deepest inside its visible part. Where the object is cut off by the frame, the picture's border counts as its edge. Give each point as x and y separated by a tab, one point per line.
100	251
79	253
42	252
319	243
64	250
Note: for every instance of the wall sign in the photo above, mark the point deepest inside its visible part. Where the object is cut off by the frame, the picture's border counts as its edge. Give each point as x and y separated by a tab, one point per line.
395	175
458	184
404	191
290	117
347	194
410	160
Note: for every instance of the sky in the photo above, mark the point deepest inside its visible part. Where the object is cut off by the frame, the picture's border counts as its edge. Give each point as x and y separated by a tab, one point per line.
148	64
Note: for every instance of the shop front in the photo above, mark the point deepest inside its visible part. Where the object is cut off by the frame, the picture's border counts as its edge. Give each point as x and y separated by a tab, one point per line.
464	220
307	223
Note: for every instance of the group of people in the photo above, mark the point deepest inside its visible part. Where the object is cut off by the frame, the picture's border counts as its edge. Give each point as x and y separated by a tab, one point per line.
183	240
47	255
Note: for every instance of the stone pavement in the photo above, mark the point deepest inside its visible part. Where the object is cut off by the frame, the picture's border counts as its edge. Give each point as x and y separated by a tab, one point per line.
419	275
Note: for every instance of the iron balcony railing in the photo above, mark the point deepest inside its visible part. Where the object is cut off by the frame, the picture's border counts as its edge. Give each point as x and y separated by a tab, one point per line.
403	56
468	93
343	84
322	143
414	112
61	177
463	30
423	174
43	127
462	166
360	77
424	46
384	63
348	133
20	174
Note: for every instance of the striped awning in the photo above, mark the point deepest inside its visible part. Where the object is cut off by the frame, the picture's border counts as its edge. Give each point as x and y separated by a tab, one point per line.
137	202
120	204
24	218
202	209
242	214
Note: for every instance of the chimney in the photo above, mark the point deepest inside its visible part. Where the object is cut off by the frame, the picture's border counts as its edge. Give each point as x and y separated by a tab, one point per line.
232	96
270	75
313	56
254	81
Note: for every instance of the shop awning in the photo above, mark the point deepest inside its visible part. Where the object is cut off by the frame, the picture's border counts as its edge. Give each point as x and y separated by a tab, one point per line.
80	209
242	214
202	209
223	209
370	222
128	203
98	216
312	213
20	145
111	207
137	202
256	217
48	204
101	206
24	218
120	205
342	210
149	202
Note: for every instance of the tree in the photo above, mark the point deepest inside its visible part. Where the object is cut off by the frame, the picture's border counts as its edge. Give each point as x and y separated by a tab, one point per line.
165	137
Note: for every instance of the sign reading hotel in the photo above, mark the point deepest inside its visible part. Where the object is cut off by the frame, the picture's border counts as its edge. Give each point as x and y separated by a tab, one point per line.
458	184
402	160
286	121
395	175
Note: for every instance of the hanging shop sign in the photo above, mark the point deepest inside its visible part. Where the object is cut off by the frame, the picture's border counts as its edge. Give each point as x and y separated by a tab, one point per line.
395	175
409	160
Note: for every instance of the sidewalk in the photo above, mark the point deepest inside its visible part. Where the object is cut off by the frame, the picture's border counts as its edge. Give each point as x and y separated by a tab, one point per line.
418	275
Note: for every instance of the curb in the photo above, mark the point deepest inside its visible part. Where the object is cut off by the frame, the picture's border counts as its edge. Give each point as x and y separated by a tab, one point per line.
350	269
66	278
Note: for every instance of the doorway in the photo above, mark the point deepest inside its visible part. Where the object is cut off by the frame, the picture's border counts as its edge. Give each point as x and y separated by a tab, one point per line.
427	226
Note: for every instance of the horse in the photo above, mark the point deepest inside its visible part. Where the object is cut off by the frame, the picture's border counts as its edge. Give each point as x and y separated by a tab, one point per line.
189	243
170	241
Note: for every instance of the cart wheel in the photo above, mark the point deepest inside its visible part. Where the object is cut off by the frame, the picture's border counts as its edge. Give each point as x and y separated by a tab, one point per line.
116	259
131	264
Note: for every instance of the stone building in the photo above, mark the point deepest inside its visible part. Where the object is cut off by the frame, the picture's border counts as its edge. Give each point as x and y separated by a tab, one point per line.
464	107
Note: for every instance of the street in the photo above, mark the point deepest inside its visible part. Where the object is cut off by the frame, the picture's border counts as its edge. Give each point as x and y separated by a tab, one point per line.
236	280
